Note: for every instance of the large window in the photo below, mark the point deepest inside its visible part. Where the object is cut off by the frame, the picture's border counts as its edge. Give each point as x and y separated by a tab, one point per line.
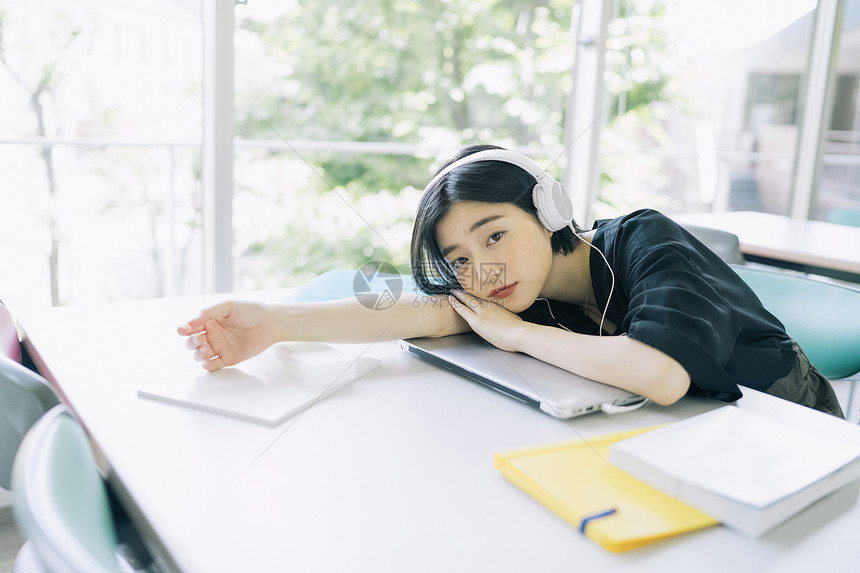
706	117
342	109
712	116
100	152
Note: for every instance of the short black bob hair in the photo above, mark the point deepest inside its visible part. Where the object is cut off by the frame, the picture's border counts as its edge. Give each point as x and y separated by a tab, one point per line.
490	181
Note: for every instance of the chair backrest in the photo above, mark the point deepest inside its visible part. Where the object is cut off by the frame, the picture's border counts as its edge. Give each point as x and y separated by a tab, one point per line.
824	318
844	216
10	346
61	501
726	245
24	398
344	283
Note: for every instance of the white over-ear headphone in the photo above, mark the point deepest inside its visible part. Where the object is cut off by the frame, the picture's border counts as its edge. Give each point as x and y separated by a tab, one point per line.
553	204
554	211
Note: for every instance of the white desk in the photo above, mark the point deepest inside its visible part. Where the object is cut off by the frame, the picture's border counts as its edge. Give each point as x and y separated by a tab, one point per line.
810	246
393	473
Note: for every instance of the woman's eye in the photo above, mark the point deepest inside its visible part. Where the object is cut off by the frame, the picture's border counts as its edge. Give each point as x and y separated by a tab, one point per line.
495	237
457	263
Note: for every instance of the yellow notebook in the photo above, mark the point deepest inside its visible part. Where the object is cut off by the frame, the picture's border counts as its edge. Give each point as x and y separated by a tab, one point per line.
575	480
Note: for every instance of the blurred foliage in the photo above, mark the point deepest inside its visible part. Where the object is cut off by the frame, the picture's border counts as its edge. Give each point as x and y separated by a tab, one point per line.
440	73
640	56
443	73
376	70
641	62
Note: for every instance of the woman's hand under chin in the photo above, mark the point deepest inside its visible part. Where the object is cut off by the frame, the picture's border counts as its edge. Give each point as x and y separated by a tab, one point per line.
490	320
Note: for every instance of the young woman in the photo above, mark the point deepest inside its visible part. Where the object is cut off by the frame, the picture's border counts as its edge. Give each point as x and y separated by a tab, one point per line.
636	302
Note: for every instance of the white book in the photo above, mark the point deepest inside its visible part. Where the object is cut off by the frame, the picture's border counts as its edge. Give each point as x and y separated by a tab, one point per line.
748	471
269	388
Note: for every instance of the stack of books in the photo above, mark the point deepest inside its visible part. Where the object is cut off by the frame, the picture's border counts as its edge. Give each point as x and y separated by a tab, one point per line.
729	466
750	472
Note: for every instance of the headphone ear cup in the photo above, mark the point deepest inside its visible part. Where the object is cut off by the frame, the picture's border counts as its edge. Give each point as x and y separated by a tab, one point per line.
553	204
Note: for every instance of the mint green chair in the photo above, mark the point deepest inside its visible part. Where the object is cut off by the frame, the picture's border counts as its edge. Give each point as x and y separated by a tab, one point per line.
24	398
823	317
844	217
61	501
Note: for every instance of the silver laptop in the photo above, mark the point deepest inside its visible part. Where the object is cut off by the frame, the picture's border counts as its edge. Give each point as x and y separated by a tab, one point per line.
554	390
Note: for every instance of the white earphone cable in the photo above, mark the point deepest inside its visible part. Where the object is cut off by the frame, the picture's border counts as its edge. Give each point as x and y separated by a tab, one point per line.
611	274
611	287
549	308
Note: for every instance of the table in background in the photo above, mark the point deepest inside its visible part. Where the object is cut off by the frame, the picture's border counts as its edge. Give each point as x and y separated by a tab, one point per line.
815	247
392	473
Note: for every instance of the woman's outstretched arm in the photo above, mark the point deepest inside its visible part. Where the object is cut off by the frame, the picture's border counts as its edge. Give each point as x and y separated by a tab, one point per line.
230	332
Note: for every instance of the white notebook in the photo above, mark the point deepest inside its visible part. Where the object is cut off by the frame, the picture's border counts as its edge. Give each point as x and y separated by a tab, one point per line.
746	470
268	389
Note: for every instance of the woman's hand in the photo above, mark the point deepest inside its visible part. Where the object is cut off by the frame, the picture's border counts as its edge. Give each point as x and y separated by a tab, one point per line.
230	332
492	322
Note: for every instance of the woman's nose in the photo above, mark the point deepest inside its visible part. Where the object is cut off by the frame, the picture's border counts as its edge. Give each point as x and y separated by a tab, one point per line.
484	276
493	276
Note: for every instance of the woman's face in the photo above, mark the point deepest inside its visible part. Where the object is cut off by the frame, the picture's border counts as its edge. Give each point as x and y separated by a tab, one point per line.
498	251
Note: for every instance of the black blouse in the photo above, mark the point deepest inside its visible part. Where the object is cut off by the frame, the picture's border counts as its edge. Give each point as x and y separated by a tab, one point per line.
676	295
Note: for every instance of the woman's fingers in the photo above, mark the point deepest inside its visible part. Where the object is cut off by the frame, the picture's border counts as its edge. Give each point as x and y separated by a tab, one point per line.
202	351
203	354
458	306
469	301
198	323
195	341
200	340
213	363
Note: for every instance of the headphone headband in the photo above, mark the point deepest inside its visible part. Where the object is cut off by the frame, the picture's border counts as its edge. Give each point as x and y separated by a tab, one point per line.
505	155
553	204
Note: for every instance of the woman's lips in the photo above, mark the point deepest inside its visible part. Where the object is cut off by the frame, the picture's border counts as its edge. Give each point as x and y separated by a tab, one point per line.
503	292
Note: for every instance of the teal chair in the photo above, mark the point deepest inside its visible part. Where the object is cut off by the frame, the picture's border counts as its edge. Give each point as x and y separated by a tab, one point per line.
823	317
336	284
24	398
842	216
61	502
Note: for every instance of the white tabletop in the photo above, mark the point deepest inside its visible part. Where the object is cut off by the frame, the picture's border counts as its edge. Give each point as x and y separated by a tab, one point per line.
826	247
392	473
